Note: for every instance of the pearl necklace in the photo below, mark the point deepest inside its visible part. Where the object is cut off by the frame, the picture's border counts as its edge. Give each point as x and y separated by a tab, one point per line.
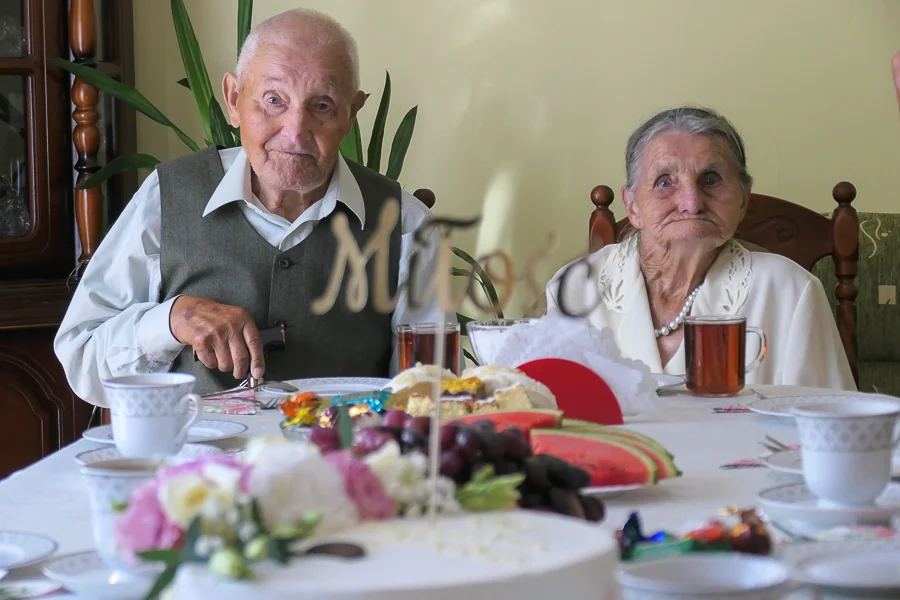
678	320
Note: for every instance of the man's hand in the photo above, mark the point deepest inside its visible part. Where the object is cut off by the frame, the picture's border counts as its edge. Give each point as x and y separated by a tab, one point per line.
224	337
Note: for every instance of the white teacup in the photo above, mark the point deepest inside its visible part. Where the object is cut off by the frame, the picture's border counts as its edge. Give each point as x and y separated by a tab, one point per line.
846	449
151	414
110	484
706	576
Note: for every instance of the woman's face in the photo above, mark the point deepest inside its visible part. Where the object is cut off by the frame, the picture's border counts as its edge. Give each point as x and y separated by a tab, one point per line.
688	191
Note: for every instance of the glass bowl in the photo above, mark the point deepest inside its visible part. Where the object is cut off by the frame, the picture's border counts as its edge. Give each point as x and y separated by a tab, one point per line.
485	335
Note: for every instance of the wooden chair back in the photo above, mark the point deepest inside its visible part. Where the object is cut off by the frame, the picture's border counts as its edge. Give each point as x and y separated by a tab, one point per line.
784	228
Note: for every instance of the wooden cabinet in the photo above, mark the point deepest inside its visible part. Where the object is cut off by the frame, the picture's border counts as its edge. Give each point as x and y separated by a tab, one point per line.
46	228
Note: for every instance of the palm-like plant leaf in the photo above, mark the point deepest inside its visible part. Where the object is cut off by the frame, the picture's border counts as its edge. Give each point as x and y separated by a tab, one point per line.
487	285
194	67
377	139
221	129
401	143
351	145
120	164
125	93
245	16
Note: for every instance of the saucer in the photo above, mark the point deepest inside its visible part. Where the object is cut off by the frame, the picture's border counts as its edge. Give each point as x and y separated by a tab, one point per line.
790	461
19	549
781	407
28	588
87	575
188	452
204	430
797	504
848	566
327	387
666	380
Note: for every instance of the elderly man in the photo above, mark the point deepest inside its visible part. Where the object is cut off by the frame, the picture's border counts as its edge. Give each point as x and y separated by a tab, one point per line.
217	245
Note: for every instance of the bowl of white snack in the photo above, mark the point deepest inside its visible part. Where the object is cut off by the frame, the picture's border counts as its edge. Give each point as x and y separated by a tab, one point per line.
484	336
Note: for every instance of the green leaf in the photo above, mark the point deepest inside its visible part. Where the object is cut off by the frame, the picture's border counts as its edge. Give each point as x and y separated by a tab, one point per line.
170	557
256	514
345	427
190	541
486	492
194	67
125	93
351	145
119	164
245	15
221	129
161	583
184	83
462	320
377	139
487	285
471	358
401	143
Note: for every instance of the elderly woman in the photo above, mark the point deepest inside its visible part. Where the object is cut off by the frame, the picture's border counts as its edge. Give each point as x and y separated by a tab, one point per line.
687	189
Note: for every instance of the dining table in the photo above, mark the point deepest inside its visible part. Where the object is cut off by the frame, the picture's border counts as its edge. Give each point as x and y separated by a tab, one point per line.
50	498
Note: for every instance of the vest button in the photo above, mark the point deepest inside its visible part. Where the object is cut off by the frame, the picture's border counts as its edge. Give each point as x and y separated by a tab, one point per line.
284	263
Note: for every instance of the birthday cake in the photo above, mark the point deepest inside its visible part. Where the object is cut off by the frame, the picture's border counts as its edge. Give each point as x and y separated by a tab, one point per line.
515	554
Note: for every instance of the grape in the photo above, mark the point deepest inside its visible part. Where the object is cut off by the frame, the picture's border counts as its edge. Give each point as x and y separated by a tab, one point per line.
493	446
467	441
484	425
421	425
564	475
394	432
593	508
530	499
370	439
326	438
411	440
517	447
448	435
536	473
451	463
505	467
561	501
396	418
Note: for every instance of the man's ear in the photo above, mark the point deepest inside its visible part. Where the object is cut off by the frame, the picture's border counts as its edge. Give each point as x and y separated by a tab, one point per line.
230	89
359	100
630	208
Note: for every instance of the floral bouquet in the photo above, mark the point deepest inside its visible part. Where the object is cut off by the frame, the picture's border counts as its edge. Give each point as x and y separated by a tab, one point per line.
230	512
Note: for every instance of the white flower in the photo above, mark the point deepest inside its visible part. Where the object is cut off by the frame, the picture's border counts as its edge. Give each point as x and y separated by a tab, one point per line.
401	475
288	484
184	497
446	502
259	447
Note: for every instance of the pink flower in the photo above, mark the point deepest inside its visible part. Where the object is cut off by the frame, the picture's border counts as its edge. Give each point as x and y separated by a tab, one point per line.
363	487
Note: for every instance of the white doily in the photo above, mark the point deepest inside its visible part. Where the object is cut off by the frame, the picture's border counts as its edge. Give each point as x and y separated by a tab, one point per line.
557	336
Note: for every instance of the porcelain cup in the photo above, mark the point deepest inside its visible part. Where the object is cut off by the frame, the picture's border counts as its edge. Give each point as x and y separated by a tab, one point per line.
846	449
152	414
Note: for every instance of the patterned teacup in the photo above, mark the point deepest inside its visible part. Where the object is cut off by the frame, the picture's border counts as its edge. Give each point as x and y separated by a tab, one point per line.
110	484
151	414
846	448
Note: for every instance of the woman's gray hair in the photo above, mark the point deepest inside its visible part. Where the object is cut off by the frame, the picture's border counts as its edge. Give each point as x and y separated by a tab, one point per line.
325	31
691	120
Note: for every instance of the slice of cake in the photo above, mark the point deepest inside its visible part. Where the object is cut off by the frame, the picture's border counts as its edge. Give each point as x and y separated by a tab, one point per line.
485	406
499	378
421	405
513	398
416	380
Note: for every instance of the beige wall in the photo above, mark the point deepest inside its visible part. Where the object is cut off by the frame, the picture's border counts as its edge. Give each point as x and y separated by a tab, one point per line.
525	105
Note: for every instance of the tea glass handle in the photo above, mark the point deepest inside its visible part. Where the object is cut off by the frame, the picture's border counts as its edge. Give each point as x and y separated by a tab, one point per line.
196	408
762	348
896	440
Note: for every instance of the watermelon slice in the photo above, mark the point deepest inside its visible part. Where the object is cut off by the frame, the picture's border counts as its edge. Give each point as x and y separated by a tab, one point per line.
608	461
526	420
664	461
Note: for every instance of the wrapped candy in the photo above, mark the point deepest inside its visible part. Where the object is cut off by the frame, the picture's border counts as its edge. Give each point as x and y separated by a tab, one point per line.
300	409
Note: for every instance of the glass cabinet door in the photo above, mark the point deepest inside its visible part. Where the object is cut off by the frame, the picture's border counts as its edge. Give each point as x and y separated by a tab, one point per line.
15	213
12	28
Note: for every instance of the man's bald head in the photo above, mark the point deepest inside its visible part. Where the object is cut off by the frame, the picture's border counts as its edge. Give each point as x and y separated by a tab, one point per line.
306	28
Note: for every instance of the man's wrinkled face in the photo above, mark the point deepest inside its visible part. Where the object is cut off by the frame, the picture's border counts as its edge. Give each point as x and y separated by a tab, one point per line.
293	106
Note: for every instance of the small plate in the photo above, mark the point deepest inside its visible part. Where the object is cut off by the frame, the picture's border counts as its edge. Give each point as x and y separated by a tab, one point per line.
795	503
86	575
666	380
790	461
189	452
19	549
204	430
335	386
850	566
781	407
611	491
3	573
28	588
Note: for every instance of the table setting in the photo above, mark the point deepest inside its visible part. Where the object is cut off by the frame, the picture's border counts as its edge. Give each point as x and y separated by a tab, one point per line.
815	466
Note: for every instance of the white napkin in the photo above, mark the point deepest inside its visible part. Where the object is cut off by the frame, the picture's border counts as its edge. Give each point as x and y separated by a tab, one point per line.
557	336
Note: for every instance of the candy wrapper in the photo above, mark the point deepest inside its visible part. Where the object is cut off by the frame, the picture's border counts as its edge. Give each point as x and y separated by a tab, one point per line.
738	531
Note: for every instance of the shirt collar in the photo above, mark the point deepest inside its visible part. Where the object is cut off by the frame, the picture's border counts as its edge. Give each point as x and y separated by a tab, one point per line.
235	185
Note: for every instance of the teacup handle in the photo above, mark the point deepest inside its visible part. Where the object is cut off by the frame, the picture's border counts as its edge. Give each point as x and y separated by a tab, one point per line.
762	348
196	403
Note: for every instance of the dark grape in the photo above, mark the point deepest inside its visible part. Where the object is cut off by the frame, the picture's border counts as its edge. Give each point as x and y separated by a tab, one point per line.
564	475
517	447
536	473
451	463
543	508
579	477
493	446
448	435
370	439
467	441
593	508
411	440
464	475
505	467
484	426
394	432
561	501
420	425
529	499
396	418
326	438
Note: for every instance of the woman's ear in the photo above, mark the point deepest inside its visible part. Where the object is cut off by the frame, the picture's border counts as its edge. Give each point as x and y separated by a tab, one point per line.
631	208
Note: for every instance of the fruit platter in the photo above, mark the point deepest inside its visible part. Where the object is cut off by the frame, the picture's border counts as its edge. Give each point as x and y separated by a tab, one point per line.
490	418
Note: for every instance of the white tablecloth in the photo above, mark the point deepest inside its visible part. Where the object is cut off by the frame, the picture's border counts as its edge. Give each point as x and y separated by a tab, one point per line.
48	497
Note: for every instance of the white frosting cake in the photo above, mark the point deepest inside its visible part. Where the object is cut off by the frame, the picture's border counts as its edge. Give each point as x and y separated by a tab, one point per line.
486	556
497	378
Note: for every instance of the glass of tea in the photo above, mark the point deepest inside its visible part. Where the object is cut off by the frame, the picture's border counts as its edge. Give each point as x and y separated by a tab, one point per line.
417	342
715	354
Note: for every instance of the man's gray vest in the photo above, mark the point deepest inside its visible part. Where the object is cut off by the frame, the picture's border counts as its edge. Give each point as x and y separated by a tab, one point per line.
221	257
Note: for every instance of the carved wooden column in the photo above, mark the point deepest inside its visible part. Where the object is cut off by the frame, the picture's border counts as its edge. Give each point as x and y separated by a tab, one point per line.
846	259
602	228
86	135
